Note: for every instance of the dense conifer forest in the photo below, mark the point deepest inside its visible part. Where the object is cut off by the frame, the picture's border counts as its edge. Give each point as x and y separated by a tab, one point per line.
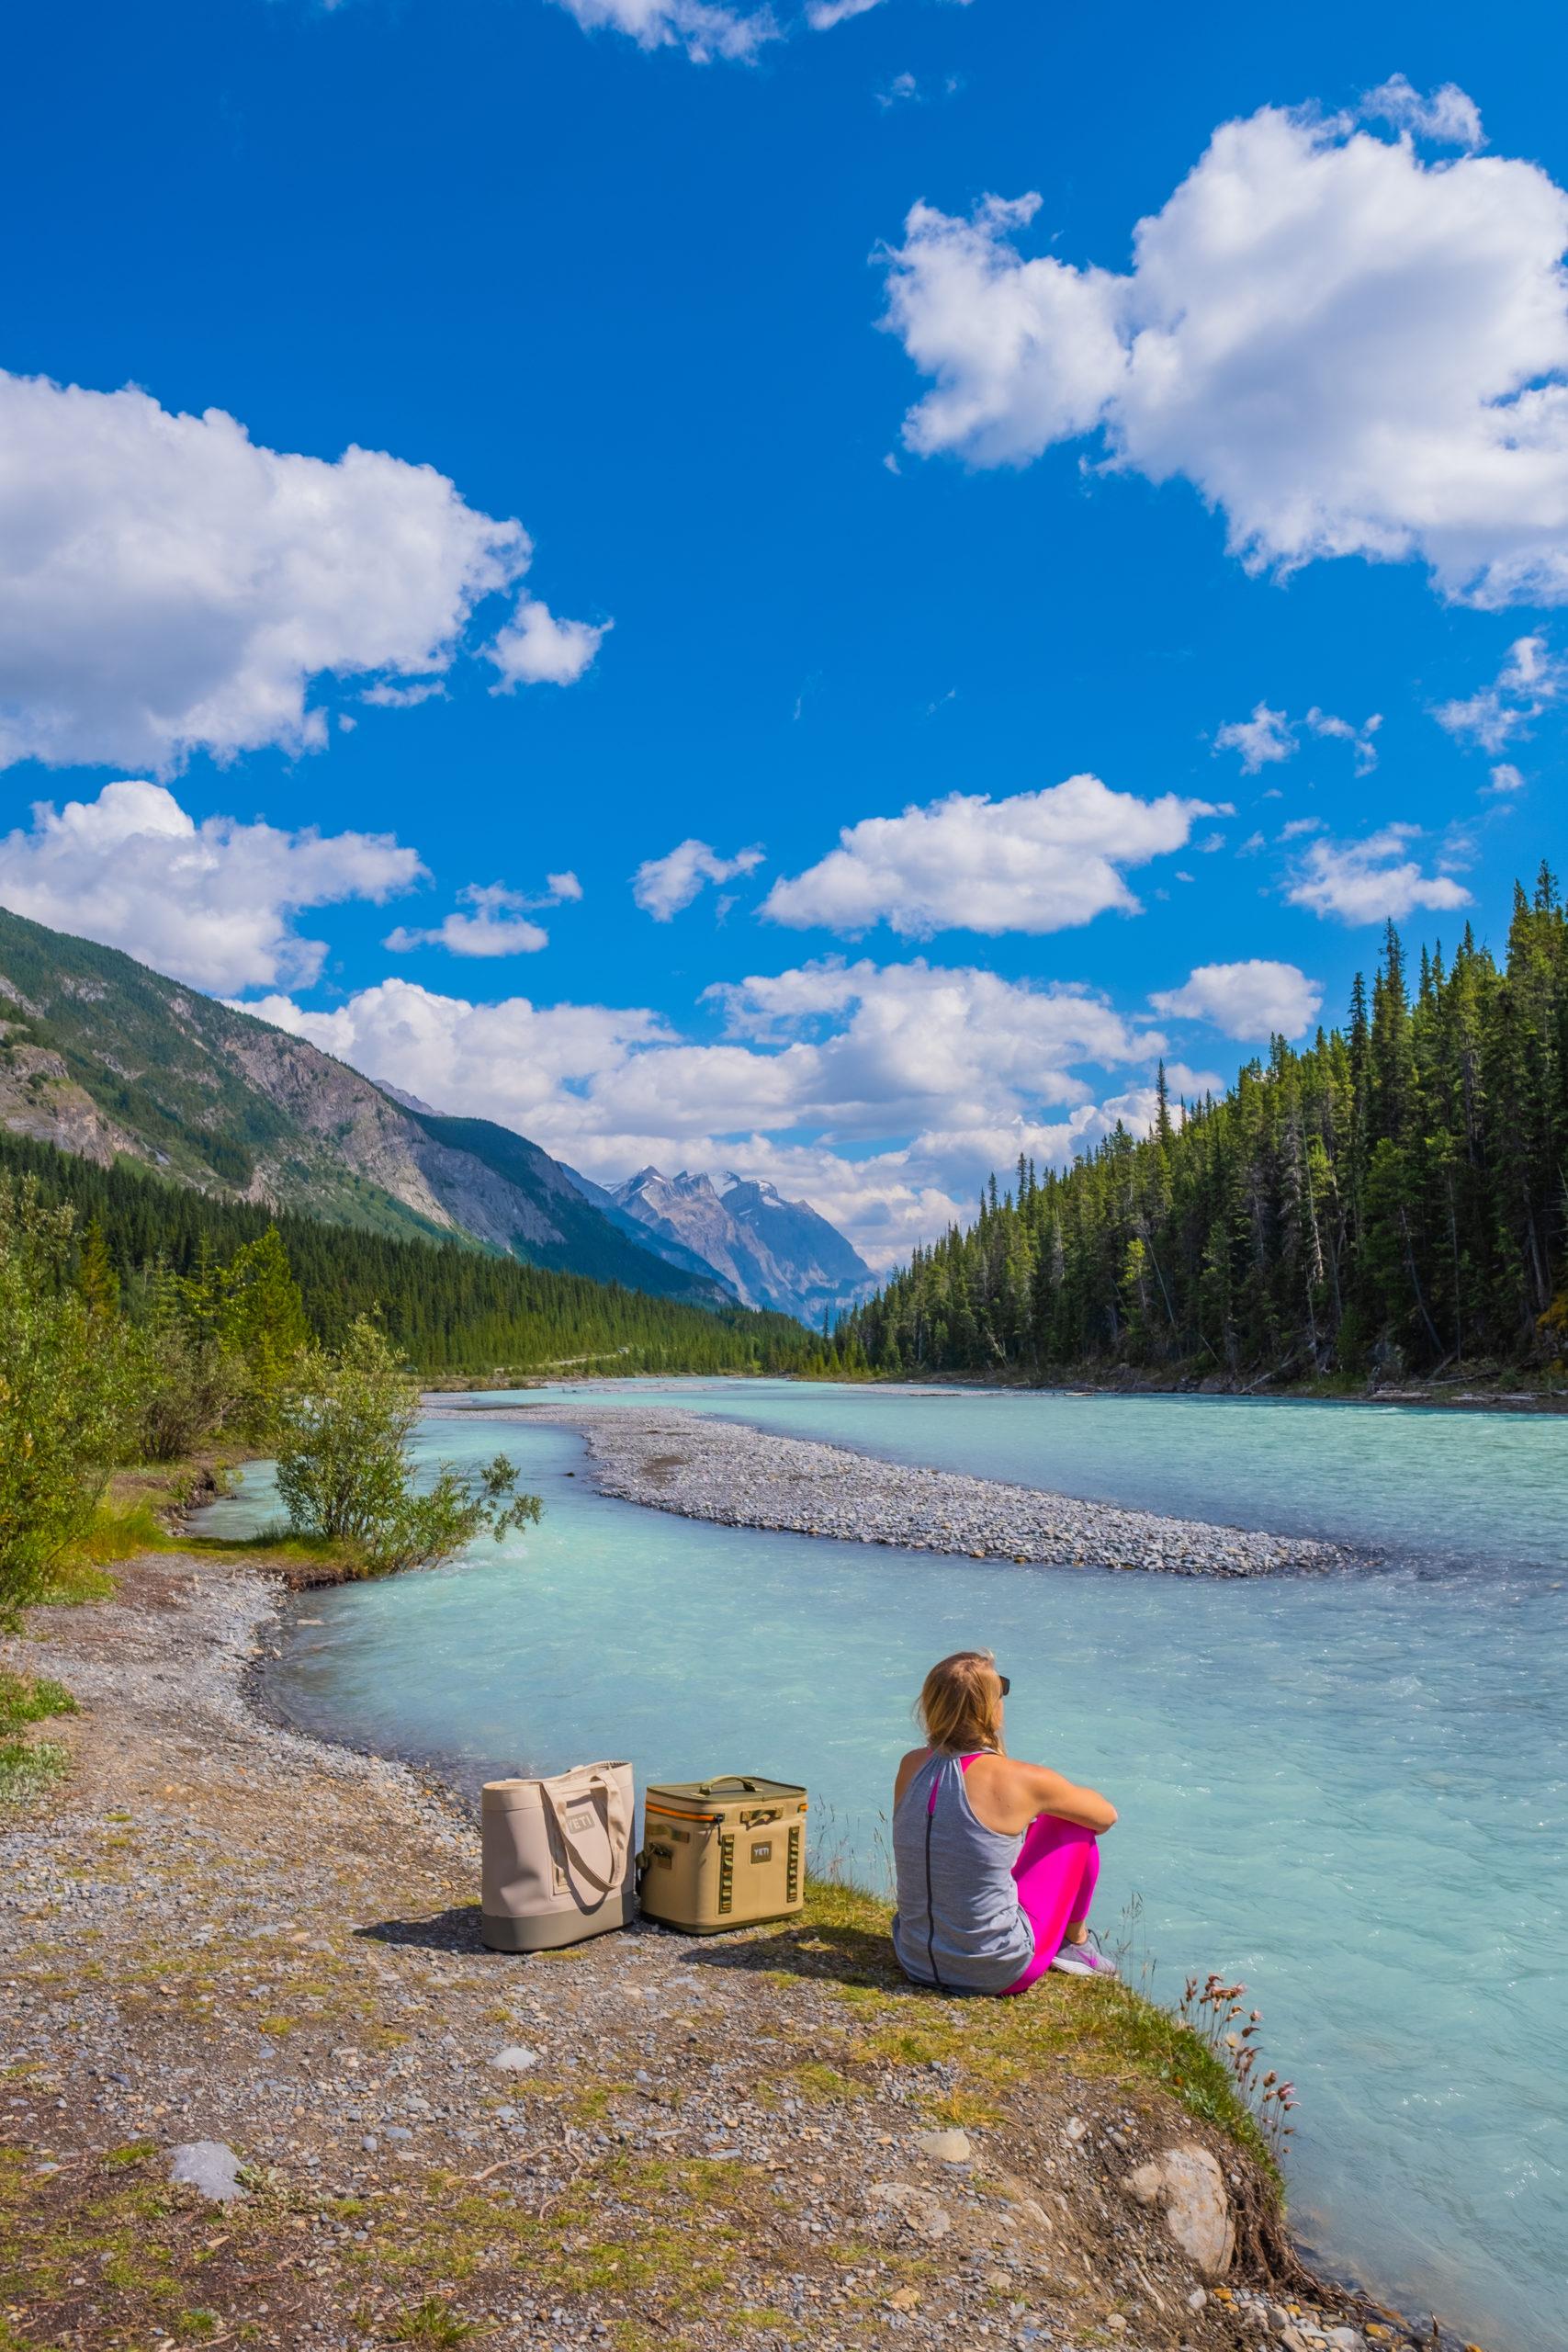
447	1307
1391	1197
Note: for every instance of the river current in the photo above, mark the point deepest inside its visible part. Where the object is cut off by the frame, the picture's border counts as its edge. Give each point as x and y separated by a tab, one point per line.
1346	1791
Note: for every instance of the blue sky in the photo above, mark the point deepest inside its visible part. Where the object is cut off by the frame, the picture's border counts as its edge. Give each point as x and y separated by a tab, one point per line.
1183	523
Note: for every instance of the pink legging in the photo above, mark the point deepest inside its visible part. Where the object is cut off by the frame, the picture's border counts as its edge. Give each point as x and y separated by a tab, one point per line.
1055	1874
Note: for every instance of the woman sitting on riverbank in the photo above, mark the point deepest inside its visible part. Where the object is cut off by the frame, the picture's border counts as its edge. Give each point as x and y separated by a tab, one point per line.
996	1860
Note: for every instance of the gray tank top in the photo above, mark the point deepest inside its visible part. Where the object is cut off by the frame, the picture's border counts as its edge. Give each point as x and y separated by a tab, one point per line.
959	1921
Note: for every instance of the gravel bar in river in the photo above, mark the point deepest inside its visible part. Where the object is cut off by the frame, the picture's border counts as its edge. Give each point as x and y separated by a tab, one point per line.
741	1476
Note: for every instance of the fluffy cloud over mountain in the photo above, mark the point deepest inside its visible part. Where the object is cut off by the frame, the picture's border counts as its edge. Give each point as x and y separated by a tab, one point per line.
166	585
1037	862
1346	348
942	1073
211	904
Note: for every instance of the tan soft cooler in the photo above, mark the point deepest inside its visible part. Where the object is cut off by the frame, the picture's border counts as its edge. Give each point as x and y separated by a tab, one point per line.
719	1854
556	1857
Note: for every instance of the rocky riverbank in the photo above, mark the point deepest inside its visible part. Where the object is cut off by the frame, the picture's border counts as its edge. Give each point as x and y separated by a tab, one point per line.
237	1957
707	1468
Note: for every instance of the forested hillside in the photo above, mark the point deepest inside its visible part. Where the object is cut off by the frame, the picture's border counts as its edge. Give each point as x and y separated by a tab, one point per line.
1392	1196
447	1307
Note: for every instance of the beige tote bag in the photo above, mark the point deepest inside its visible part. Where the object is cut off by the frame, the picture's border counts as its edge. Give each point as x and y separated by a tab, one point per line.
555	1858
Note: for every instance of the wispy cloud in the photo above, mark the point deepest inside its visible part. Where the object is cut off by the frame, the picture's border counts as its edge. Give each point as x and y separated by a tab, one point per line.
497	926
663	885
1270	736
1530	680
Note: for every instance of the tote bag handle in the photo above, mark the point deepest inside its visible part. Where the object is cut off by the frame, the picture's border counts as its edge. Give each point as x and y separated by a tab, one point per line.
616	1825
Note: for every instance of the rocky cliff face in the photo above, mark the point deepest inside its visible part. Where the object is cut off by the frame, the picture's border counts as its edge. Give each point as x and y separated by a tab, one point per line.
772	1251
100	1056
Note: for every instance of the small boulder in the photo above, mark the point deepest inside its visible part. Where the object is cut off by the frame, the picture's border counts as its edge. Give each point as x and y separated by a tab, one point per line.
924	2211
210	2165
515	2059
1188	2188
945	2147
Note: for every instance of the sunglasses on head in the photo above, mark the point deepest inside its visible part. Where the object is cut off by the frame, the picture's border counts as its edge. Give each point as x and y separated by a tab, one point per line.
1007	1686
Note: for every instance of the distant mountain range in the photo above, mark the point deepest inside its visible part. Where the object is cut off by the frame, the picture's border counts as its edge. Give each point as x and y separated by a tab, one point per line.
100	1056
770	1251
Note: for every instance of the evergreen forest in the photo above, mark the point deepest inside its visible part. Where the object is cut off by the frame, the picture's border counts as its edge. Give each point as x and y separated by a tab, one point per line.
1390	1198
444	1307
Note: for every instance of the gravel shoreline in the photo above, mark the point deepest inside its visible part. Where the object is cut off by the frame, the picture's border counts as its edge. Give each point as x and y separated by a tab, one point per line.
740	1476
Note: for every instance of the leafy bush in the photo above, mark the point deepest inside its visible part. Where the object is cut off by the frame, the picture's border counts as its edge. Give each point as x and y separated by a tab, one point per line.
344	1470
67	1396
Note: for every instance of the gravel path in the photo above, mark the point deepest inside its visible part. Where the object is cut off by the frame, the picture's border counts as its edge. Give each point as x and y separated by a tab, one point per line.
741	1476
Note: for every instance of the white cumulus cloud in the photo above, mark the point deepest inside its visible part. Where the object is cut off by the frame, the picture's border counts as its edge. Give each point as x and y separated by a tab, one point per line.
663	885
1530	679
886	1094
1036	862
1256	998
1265	736
166	585
212	904
536	650
1505	777
703	30
1348	349
1372	880
499	925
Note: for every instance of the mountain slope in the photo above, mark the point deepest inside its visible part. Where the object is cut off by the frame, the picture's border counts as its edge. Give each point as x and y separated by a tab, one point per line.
101	1056
774	1252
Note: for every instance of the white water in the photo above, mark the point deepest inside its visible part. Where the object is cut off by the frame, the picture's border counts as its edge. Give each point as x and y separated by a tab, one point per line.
1348	1790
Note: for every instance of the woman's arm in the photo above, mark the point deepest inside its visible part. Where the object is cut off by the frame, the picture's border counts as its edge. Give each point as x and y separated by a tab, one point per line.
1007	1796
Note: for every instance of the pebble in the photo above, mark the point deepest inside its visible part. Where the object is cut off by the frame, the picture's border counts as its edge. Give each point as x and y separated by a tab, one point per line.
739	1476
515	2059
945	2147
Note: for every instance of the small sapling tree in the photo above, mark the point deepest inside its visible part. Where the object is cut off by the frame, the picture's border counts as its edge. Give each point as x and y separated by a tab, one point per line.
344	1470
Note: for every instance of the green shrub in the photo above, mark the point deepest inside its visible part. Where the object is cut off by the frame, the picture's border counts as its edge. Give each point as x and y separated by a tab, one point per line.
67	1396
344	1470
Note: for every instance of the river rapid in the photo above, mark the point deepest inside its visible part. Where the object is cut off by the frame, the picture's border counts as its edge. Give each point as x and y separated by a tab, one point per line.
1348	1790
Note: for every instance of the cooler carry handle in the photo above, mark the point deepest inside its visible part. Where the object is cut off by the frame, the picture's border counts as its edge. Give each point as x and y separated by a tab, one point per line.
614	1822
727	1780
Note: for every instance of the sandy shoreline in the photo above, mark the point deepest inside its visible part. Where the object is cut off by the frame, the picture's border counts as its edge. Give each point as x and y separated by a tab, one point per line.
702	1467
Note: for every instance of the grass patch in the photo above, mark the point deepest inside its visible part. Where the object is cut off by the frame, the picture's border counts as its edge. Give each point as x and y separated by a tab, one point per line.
431	2322
28	1766
1105	2029
30	1699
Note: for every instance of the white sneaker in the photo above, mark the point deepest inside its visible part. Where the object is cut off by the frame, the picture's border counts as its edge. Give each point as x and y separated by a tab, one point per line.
1084	1959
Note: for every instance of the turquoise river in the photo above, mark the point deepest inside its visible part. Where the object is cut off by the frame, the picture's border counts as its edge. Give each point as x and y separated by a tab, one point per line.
1345	1790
